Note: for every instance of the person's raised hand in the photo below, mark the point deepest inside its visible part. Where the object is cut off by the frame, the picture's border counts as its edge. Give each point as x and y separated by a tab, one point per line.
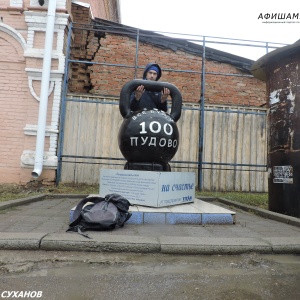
164	94
139	92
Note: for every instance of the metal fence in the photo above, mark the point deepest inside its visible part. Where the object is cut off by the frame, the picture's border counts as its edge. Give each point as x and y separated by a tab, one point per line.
234	157
224	145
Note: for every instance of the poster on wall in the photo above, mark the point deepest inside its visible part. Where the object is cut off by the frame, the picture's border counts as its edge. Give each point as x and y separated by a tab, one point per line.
283	174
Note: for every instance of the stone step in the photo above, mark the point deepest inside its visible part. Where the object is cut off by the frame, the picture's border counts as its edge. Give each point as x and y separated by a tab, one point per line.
198	213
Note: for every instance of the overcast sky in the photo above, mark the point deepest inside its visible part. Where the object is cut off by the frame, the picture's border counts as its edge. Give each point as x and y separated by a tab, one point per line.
234	19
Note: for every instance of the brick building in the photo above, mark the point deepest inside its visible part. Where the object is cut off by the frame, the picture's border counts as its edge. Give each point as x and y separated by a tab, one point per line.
23	25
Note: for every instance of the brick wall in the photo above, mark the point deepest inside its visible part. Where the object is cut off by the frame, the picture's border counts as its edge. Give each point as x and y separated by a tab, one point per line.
120	49
79	71
13	107
20	81
105	9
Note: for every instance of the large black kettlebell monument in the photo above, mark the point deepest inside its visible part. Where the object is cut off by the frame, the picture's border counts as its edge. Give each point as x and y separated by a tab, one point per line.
148	140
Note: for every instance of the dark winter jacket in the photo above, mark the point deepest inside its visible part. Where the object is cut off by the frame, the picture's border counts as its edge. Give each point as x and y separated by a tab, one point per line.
149	100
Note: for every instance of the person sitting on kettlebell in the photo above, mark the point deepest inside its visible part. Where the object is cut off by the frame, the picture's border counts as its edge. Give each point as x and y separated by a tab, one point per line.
141	98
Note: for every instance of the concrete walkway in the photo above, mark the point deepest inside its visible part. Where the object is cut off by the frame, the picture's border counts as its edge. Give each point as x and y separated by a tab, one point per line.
40	223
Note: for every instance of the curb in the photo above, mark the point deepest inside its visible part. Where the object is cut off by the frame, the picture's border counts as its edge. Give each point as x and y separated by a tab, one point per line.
99	243
263	212
28	200
136	244
20	240
21	201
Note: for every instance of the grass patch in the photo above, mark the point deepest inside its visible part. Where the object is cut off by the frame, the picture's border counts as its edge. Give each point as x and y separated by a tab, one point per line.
12	191
254	199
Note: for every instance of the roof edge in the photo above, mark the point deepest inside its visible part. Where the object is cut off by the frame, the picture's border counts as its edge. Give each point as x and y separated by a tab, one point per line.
258	69
152	37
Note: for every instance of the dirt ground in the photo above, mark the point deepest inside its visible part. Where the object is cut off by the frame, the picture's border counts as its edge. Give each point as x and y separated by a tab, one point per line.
14	191
87	276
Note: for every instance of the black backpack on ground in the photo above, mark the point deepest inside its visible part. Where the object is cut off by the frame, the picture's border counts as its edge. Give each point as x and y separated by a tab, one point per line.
98	213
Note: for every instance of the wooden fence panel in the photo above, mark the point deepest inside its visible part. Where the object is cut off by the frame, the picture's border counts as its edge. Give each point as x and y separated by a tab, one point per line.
235	138
91	129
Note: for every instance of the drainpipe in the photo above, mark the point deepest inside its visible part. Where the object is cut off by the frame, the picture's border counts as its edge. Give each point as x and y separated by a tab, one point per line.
40	138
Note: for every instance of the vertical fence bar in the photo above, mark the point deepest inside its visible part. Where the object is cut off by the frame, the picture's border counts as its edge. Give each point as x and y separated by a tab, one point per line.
63	108
136	53
201	124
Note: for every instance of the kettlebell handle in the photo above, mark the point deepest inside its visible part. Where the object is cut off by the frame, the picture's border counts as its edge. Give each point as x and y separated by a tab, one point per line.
153	86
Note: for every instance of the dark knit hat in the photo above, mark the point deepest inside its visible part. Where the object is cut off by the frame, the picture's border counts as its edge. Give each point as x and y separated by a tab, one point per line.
154	68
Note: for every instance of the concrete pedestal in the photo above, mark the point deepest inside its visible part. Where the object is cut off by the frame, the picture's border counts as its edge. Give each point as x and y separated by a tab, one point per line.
148	188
